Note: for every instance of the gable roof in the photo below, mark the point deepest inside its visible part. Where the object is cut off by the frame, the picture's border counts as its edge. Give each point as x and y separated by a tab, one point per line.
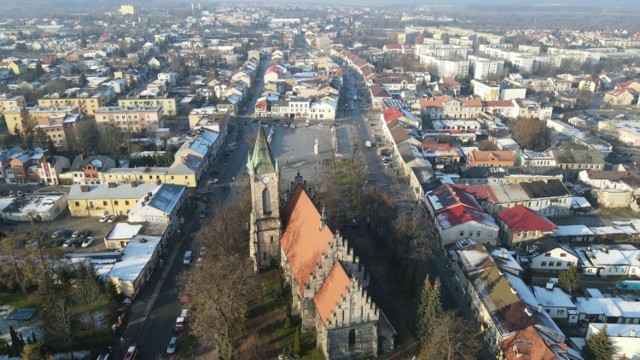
333	289
521	218
261	161
528	343
303	242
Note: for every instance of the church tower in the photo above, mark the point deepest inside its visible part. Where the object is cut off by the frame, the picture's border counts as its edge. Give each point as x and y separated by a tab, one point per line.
264	246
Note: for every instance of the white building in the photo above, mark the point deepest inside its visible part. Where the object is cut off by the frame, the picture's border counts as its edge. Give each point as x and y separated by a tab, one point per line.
610	260
134	269
486	69
33	207
161	207
623	337
556	303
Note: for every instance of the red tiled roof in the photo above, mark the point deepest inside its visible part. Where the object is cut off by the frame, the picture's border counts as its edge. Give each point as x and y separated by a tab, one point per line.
393	46
333	289
529	344
461	214
303	242
499	103
434	102
379	92
521	218
392	114
482	192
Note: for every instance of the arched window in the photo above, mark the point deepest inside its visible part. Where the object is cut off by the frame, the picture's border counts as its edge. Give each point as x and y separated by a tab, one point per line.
266	201
352	338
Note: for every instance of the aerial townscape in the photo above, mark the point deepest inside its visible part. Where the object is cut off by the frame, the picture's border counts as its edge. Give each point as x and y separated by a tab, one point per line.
455	180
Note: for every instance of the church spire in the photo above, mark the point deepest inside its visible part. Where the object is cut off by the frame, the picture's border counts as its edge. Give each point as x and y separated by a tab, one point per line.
261	160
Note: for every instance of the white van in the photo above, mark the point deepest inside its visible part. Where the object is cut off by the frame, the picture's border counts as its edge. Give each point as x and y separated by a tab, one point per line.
188	255
181	320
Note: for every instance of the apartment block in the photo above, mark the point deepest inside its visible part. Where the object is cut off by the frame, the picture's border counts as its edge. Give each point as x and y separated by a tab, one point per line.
169	104
132	119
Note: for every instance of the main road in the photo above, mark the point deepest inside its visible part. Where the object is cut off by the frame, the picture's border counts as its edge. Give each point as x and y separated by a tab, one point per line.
154	311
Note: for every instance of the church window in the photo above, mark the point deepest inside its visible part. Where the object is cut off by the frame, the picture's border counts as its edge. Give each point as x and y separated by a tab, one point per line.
272	239
352	338
266	201
264	256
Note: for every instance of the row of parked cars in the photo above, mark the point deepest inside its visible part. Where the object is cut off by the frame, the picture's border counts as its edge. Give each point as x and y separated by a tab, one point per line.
68	238
181	323
108	218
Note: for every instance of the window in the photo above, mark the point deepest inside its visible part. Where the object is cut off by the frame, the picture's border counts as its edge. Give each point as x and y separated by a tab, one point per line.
563	255
126	202
77	203
115	202
271	238
547	254
544	263
266	201
104	203
461	233
264	256
352	338
478	233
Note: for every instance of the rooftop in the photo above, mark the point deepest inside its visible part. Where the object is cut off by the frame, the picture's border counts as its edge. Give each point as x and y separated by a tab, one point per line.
137	255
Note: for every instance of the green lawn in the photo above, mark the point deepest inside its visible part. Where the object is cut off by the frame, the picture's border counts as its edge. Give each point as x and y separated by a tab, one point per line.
19	300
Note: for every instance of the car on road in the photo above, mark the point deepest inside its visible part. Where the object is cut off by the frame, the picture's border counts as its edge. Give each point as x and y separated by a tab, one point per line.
181	320
188	256
87	242
132	352
19	193
104	218
171	349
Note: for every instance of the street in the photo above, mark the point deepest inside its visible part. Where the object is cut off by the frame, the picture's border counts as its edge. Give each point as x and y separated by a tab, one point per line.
154	310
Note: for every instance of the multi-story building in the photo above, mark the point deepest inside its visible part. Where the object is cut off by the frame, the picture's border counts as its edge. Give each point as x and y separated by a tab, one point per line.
485	91
89	170
44	116
490	158
169	104
10	102
571	162
446	68
106	199
486	69
86	102
51	167
624	130
135	119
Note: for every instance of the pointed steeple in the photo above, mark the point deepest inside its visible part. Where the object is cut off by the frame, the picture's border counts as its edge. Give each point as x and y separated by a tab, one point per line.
261	160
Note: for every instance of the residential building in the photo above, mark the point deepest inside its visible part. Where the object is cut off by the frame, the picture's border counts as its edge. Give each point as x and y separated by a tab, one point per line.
169	104
548	255
86	102
89	170
613	188
137	119
574	233
162	206
207	112
519	224
507	175
120	235
106	199
557	303
50	168
457	215
11	102
490	158
623	338
534	158
571	161
485	91
551	198
45	116
139	258
609	260
486	69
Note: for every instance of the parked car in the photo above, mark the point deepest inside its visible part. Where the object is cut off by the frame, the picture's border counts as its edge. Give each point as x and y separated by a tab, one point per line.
171	349
69	242
57	233
59	241
104	218
181	320
19	193
112	218
132	352
87	242
77	233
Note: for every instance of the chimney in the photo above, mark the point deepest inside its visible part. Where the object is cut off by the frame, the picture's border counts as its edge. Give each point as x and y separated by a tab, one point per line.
84	188
134	184
549	285
111	185
149	194
323	218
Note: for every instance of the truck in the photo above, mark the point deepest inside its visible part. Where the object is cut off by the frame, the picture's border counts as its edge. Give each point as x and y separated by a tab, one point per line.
181	320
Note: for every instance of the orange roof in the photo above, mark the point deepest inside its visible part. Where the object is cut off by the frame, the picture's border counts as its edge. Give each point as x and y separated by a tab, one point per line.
499	103
303	242
475	102
529	344
434	102
479	155
332	291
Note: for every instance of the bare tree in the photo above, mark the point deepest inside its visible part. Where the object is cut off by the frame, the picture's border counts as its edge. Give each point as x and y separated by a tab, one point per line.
456	338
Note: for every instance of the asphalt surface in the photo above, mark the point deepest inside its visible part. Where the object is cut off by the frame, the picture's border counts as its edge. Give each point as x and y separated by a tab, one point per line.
154	311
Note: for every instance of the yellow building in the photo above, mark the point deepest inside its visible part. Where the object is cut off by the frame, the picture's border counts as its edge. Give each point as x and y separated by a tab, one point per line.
41	115
169	104
106	199
152	175
86	103
127	10
8	102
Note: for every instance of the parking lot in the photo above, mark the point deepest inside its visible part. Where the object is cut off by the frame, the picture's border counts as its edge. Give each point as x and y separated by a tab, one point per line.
96	229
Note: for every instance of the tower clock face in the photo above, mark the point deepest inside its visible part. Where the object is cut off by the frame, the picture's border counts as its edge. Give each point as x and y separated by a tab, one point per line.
265	180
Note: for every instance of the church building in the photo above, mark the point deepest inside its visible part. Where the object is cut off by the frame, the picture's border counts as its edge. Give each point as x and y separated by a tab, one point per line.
328	282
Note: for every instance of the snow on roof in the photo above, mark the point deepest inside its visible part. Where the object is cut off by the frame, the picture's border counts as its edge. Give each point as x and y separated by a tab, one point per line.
524	293
137	254
123	231
573	230
618	330
579	202
555	297
598	306
504	259
594	293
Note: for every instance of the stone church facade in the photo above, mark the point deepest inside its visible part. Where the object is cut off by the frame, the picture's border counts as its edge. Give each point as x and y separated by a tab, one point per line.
328	282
